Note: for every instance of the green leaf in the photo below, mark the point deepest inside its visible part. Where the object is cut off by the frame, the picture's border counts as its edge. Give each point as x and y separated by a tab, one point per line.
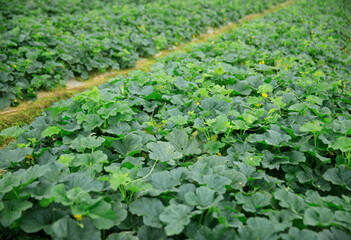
60	196
176	218
179	119
150	209
66	228
339	176
179	139
13	210
165	180
296	234
37	218
101	214
50	131
253	202
8	156
129	146
318	216
28	175
342	143
202	198
276	138
92	161
258	228
8	182
91	142
290	200
220	125
12	132
92	121
333	234
122	236
313	127
213	147
164	152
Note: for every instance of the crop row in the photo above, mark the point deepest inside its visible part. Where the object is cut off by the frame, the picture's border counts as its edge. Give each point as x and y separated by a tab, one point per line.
43	43
244	137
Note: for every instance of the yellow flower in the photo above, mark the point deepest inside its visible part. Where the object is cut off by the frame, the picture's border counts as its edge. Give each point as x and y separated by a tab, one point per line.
29	156
197	103
250	32
91	163
219	154
264	95
259	63
258	105
253	36
344	86
15	100
176	44
14	66
262	62
78	217
212	42
193	36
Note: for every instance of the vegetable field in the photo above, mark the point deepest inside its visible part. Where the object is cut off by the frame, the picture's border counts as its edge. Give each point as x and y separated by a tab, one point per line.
43	43
247	136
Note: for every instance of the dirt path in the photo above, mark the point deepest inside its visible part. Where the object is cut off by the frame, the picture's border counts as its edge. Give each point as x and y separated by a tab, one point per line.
28	110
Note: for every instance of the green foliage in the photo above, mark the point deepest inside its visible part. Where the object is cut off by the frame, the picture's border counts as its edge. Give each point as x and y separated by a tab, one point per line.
247	137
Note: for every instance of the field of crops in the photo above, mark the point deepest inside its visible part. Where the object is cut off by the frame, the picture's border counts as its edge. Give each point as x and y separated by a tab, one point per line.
43	43
246	136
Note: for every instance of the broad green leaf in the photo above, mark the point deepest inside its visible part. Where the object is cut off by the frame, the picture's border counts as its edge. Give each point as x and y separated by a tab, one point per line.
176	218
83	181
179	119
290	200
150	209
50	131
8	156
313	127
258	228
92	121
202	198
165	180
215	182
220	125
13	210
12	132
339	176
92	161
122	236
164	152
147	233
82	143
342	143
179	139
8	182
296	234
28	175
333	234
275	138
253	202
66	228
318	216
129	146
101	214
